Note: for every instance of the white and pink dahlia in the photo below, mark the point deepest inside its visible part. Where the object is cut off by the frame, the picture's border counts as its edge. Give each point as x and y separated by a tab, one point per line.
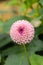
22	32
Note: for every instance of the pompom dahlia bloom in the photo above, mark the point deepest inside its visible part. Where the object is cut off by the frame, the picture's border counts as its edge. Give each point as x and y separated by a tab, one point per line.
22	32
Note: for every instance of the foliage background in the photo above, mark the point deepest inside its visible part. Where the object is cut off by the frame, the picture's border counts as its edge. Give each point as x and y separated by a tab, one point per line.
11	11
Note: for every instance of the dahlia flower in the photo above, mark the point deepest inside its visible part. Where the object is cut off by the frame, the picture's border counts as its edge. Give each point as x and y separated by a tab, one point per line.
22	32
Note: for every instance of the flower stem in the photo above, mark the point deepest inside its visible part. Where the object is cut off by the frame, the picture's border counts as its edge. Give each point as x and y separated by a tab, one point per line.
26	55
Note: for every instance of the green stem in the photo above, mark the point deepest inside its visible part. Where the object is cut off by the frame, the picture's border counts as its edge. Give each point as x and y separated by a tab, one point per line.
26	55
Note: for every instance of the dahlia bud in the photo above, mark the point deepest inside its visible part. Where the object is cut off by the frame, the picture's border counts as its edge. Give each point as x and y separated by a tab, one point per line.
22	32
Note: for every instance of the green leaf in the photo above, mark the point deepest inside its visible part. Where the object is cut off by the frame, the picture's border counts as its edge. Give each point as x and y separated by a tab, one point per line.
0	57
35	45
15	49
4	39
16	59
8	24
36	59
32	47
41	1
39	29
41	11
20	59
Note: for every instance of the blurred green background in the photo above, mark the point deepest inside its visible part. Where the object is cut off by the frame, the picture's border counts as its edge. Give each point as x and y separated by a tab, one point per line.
10	11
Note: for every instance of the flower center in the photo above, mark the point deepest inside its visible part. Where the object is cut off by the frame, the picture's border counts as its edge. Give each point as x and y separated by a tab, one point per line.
21	29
